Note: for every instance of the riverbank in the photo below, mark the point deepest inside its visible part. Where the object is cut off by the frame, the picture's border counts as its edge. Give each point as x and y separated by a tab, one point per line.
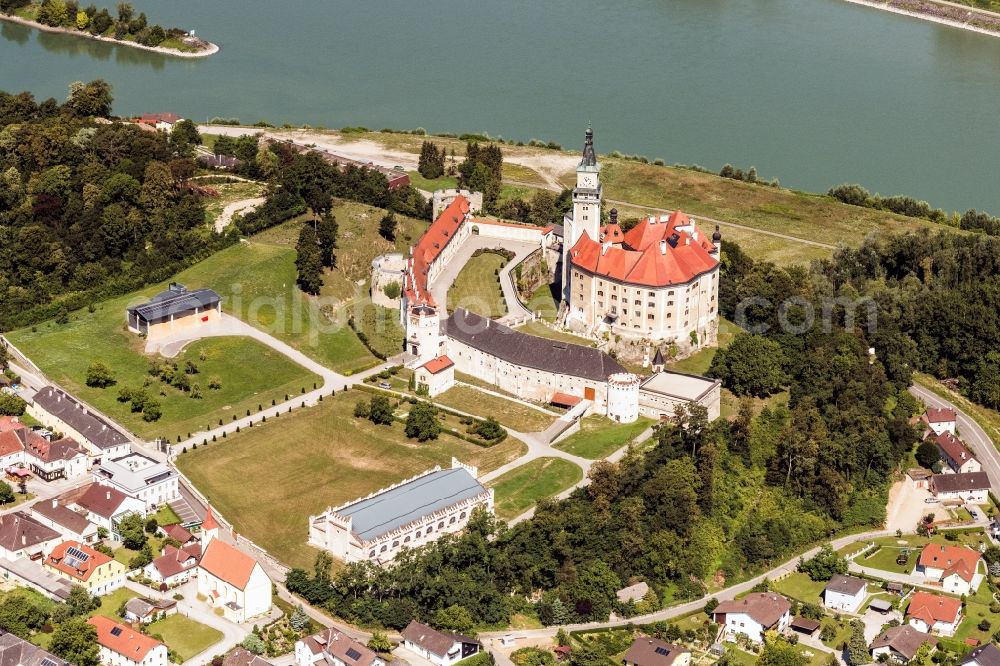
950	14
210	49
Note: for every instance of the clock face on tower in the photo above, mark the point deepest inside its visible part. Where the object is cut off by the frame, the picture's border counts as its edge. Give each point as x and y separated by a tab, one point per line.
588	181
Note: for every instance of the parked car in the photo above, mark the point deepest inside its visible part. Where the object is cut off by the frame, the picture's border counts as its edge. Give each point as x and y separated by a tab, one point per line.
974	514
932	500
385	385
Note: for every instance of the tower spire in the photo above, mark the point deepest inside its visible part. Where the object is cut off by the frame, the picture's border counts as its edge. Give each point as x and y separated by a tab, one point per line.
589	158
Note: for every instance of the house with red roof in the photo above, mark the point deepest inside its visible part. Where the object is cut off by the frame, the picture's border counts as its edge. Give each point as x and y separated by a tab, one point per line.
39	452
161	121
121	645
435	376
956	455
82	565
229	578
934	613
940	419
175	565
956	567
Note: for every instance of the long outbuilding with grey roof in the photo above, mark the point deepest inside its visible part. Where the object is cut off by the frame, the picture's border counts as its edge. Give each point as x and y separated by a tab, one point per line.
411	513
62	412
174	310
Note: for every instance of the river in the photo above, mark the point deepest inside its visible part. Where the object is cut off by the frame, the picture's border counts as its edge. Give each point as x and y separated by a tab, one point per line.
814	92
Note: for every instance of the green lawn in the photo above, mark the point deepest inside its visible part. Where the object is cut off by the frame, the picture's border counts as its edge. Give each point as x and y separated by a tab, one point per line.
699	362
599	436
507	412
544	303
380	325
301	463
185	636
442	183
519	489
64	352
477	287
799	586
166	516
110	603
125	555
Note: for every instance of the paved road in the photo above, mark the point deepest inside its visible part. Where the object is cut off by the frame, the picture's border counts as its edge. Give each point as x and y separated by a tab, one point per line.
970	432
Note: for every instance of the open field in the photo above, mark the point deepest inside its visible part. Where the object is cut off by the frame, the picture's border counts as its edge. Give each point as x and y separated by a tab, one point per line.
477	287
519	489
250	373
184	635
599	436
799	586
315	458
509	413
380	325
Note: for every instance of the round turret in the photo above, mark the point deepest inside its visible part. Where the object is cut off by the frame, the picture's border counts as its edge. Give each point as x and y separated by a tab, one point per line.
623	397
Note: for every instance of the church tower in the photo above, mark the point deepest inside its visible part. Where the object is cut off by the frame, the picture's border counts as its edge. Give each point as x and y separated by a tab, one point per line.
586	207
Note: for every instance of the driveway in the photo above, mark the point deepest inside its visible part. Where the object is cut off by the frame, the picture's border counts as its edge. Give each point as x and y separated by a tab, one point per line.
874	622
908	505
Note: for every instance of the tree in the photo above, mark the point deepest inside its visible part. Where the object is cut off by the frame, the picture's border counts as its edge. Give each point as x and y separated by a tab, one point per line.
857	647
387	227
184	137
299	620
12	405
490	429
142	558
253	643
125	12
90	99
392	290
76	641
100	22
308	261
710	606
928	453
6	493
379	642
431	161
151	525
751	365
132	531
779	652
380	410
82	20
53	13
21	614
824	564
454	618
326	236
99	375
422	422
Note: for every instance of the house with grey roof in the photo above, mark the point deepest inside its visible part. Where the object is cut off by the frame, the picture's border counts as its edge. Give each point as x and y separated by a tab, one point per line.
23	536
150	481
409	514
332	647
15	651
174	310
61	411
72	525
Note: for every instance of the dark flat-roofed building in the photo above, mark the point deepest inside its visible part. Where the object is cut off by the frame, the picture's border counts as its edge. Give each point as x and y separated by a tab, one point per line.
174	310
409	514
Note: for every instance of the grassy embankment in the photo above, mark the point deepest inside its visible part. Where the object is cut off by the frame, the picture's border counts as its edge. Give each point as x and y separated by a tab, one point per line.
477	287
519	489
320	456
229	193
509	413
599	436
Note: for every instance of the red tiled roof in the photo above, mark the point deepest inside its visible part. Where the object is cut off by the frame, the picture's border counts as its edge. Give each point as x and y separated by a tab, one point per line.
952	559
647	256
178	532
430	245
939	415
9	423
933	608
612	233
209	523
127	642
436	365
175	560
954	448
83	570
158	117
227	563
565	399
102	500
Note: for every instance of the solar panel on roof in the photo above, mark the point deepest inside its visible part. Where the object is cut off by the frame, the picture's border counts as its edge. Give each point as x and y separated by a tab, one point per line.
77	553
662	651
48	662
353	654
116	631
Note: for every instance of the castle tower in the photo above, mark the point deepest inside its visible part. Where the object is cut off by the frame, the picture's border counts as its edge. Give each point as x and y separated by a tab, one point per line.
623	397
586	206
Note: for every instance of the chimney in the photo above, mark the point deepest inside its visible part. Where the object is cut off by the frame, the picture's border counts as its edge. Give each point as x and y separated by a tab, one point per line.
604	248
108	494
55	503
663	247
687	240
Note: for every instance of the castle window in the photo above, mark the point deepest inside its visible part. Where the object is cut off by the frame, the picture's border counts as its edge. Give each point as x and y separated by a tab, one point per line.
600	304
669	303
371	553
652	304
462	515
451	520
652	294
670	293
417	535
441	525
600	292
669	315
614	297
638	302
406	540
614	287
649	316
383	549
395	544
430	528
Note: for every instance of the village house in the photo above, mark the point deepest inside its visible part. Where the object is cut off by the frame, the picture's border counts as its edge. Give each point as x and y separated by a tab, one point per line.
161	121
82	565
940	420
60	411
106	506
121	645
174	310
900	644
175	565
934	613
23	450
987	655
409	514
956	567
972	488
71	525
753	615
230	579
178	533
956	455
144	611
153	482
15	651
845	593
240	656
435	376
334	648
438	647
23	536
647	651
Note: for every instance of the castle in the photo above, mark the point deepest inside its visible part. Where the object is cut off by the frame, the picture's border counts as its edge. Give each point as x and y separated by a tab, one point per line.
658	281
